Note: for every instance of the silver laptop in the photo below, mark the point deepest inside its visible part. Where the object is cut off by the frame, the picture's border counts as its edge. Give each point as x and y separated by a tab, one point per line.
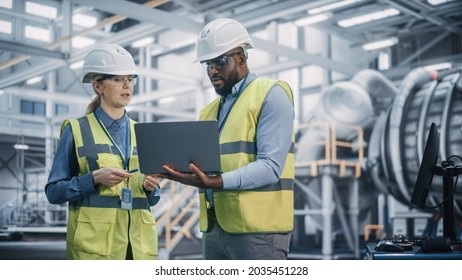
178	144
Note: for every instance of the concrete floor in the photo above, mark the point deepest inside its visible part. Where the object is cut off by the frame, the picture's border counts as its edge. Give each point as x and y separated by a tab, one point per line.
33	250
46	247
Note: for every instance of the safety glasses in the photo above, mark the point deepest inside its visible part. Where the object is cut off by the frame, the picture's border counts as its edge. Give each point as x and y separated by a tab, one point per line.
220	62
118	81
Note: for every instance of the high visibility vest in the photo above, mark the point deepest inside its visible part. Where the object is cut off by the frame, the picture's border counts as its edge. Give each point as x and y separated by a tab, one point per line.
265	209
97	227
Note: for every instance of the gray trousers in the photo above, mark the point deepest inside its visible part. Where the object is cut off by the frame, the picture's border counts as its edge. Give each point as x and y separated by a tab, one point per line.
218	244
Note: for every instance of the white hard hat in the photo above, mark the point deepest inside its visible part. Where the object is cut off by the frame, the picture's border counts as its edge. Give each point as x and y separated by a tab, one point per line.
220	36
108	59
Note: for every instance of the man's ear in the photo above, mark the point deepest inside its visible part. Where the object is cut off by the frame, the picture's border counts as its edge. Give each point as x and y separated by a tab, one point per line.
242	59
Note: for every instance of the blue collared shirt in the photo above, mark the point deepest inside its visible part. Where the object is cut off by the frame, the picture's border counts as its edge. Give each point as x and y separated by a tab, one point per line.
274	138
64	184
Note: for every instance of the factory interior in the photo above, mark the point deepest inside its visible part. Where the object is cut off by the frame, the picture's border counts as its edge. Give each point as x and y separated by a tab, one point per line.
369	79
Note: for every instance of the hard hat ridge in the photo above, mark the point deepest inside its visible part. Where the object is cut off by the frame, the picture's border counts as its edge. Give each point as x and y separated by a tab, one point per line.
220	36
110	59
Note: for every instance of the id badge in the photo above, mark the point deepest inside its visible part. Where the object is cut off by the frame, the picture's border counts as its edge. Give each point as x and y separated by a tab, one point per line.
126	199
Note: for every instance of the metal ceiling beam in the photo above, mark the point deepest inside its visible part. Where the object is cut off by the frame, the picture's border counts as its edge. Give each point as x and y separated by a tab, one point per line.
278	10
172	21
278	67
165	19
155	74
63	40
58	97
158	94
154	110
26	16
30	50
142	13
27	131
22	117
439	21
425	48
299	55
27	73
163	112
122	37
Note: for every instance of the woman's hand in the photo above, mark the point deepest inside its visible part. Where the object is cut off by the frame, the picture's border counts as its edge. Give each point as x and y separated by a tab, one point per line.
150	182
110	176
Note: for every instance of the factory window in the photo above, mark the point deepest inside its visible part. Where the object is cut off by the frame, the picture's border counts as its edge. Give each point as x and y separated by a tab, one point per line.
5	26
33	107
61	109
383	61
6	4
41	10
37	33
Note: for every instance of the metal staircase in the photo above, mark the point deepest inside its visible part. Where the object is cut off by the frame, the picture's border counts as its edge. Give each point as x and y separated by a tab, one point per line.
177	213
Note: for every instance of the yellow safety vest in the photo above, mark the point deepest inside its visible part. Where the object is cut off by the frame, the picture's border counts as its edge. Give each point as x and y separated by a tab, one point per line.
268	208
97	227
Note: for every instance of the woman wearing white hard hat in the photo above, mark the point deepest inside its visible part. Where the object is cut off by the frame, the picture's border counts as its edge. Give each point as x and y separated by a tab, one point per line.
95	168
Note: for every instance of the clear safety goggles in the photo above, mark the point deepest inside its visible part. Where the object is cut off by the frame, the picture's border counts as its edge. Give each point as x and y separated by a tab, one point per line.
118	81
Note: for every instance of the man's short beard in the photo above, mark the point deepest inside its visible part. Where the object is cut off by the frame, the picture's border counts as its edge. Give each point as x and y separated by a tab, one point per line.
228	85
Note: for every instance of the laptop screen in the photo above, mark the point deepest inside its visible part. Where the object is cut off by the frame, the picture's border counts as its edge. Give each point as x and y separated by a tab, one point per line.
178	144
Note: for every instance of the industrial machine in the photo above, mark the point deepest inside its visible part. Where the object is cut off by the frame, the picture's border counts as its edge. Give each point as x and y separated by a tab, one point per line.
365	141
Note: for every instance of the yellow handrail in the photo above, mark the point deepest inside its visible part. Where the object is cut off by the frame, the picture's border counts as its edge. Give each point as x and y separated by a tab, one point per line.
186	200
331	145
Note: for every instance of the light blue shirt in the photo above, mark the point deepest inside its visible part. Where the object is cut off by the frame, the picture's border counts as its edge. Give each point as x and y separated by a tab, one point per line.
274	139
64	184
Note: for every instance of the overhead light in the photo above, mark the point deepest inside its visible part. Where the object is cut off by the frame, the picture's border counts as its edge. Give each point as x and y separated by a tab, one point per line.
84	20
21	147
34	80
6	26
2	91
313	19
166	100
331	6
380	44
439	66
368	18
80	42
37	33
142	42
383	61
437	2
6	4
77	65
41	10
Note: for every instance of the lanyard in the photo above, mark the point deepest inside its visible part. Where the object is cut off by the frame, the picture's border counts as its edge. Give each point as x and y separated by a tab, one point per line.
126	157
232	105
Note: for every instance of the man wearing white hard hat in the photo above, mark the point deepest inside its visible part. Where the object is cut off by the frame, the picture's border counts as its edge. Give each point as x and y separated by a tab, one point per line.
95	169
246	212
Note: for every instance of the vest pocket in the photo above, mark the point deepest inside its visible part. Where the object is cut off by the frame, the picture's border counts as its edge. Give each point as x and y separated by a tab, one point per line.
95	231
148	234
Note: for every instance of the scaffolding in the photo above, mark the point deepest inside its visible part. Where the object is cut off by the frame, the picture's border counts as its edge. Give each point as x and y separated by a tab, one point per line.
328	168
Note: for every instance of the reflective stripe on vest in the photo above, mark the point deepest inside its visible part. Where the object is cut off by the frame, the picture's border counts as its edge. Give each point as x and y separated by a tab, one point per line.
249	211
99	201
88	152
